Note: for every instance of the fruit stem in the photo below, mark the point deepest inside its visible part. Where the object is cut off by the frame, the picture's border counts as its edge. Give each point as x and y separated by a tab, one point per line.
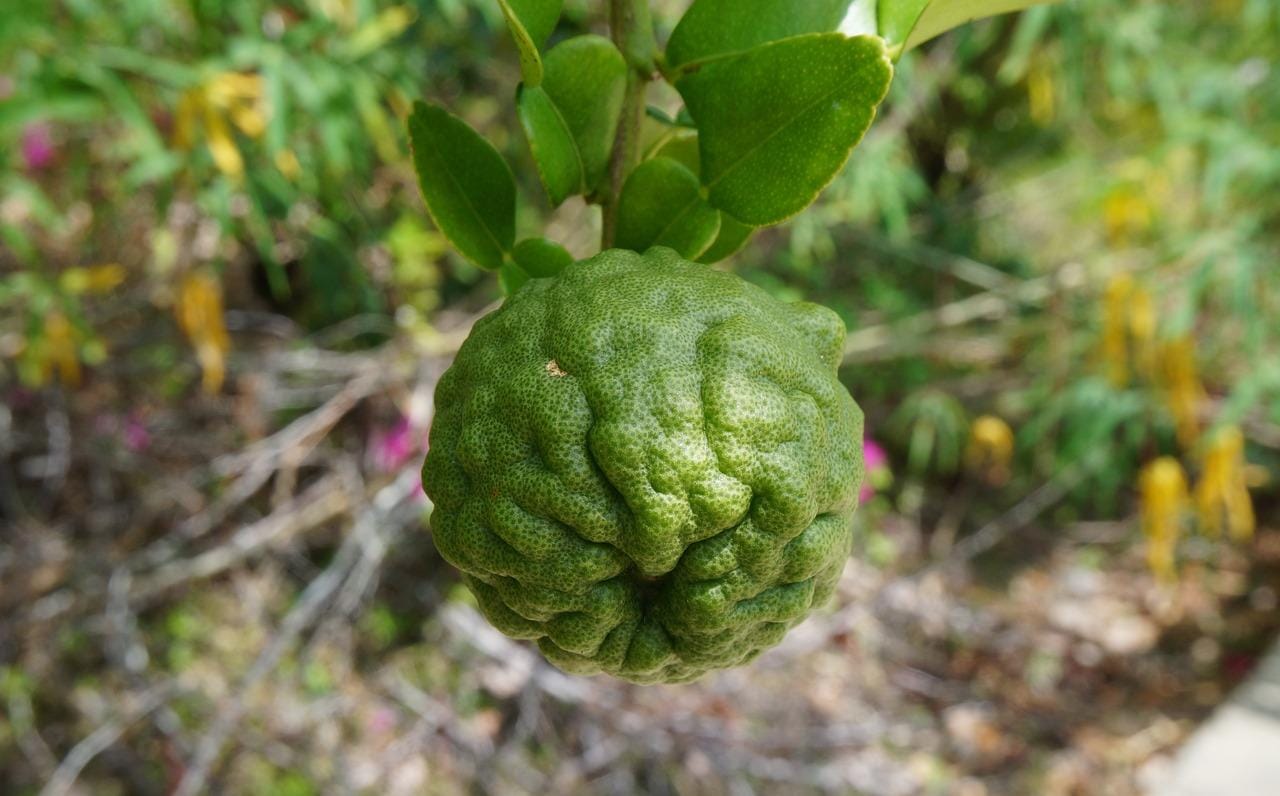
631	29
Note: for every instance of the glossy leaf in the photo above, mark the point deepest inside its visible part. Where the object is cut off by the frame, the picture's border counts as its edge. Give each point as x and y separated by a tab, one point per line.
777	123
910	23
539	257
716	27
532	258
512	277
733	235
682	147
896	18
467	186
531	22
555	153
586	77
538	17
662	205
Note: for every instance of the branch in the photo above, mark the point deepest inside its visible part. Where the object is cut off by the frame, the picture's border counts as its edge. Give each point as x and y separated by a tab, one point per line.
631	31
864	344
98	741
384	515
325	500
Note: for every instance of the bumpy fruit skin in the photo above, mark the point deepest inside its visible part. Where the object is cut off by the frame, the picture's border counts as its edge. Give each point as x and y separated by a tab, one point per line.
648	466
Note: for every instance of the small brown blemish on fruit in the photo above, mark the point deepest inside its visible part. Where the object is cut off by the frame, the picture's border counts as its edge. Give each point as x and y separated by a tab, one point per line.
553	368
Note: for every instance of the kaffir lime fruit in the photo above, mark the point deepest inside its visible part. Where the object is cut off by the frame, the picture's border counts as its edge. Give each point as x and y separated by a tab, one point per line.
648	466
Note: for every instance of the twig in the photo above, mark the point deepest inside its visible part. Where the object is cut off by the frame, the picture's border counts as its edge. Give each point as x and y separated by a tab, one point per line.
862	343
20	715
1025	511
10	500
439	715
323	501
626	143
319	504
290	445
127	649
377	519
306	430
467	623
98	741
57	462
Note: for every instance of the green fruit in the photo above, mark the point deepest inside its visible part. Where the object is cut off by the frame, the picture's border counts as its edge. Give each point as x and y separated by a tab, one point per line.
646	465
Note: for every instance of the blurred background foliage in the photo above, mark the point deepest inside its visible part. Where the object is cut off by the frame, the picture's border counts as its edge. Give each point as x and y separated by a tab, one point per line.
1056	251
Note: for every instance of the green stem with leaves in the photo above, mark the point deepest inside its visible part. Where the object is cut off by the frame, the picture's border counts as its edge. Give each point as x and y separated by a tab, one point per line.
631	29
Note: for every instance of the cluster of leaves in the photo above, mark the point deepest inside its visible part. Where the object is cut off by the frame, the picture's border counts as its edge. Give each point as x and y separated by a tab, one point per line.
774	99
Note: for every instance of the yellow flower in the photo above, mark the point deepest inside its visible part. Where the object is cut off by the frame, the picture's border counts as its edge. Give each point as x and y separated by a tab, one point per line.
1115	337
1128	330
1142	329
1223	491
199	311
1183	391
186	117
93	279
1126	214
54	349
375	33
1164	499
242	98
228	88
60	349
990	448
207	107
226	155
288	163
1041	95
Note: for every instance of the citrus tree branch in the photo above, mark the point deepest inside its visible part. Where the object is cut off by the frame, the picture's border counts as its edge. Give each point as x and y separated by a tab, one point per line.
632	32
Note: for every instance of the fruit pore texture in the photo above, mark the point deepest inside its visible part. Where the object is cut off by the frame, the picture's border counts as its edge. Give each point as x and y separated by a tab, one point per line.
647	466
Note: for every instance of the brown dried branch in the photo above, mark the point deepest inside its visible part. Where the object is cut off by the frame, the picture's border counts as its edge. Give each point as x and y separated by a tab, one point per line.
101	739
374	530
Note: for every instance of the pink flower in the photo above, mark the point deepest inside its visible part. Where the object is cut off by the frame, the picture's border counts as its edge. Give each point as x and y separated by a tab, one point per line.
135	435
382	720
390	449
876	462
37	146
130	431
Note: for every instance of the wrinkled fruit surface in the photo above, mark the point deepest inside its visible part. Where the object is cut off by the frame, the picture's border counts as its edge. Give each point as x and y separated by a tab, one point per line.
646	465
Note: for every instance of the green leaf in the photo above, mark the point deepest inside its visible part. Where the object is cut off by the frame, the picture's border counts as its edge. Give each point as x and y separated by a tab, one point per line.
468	187
554	151
662	205
531	22
681	147
662	117
896	18
532	258
538	17
910	23
777	123
733	236
512	277
717	27
586	77
539	257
